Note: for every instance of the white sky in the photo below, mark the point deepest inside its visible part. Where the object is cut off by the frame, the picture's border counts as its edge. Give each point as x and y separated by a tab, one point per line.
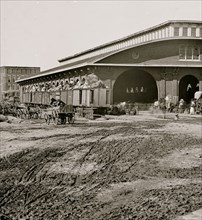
38	33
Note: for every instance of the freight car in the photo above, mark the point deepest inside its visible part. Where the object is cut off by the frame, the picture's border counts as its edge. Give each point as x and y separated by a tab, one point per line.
76	97
91	99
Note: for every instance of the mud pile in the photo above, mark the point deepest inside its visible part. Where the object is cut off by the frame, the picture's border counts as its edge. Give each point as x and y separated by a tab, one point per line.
112	172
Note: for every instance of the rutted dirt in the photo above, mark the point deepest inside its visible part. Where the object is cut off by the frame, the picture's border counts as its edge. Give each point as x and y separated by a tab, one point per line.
127	167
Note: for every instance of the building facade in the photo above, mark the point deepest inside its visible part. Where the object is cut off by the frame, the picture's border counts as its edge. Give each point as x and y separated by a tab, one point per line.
143	67
8	76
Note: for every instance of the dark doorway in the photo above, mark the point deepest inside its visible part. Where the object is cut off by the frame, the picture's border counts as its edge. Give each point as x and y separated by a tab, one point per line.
30	96
135	86
187	87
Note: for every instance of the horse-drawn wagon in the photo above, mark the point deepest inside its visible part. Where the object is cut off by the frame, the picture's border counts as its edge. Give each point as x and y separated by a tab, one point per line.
59	113
28	111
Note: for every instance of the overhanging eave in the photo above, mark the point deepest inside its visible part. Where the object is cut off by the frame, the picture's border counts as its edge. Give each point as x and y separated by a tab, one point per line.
145	65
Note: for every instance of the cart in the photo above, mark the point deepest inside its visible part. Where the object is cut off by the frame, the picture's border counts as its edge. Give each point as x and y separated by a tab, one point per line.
59	115
63	117
50	114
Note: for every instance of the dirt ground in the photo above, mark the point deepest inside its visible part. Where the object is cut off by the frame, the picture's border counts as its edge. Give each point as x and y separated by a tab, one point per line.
139	167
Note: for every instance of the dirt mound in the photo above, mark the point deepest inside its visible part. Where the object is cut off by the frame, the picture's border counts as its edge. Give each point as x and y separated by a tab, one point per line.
3	118
84	172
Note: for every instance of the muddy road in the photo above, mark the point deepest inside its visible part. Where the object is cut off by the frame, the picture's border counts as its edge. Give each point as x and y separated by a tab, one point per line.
128	167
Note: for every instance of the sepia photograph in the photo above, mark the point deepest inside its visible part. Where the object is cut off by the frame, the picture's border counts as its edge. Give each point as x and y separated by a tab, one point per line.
100	110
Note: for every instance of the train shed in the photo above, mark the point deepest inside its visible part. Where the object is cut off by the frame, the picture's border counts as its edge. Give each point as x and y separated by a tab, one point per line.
140	68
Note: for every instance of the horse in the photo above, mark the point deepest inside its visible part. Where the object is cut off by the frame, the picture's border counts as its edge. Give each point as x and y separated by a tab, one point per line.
33	112
21	111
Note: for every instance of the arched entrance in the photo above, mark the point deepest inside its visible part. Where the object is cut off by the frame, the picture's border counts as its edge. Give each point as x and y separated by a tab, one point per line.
187	87
135	86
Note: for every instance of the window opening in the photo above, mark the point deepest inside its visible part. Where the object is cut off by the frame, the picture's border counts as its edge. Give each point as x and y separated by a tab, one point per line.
185	31
80	97
196	53
193	32
176	31
182	54
189	53
200	32
107	97
91	96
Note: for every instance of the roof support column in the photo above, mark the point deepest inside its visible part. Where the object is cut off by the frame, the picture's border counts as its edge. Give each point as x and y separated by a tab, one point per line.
112	82
161	88
175	86
162	85
21	93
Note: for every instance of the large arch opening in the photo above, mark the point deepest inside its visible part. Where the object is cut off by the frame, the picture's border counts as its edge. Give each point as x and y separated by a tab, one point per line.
187	87
135	86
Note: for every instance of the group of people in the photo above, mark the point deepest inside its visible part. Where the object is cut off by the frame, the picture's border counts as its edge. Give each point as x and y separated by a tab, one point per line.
181	107
191	108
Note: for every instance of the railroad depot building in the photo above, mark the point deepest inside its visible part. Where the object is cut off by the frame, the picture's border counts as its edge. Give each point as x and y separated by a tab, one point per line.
8	76
141	68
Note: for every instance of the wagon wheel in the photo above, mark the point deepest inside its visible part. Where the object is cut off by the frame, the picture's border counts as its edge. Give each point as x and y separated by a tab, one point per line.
47	118
54	116
71	119
36	115
56	120
40	115
27	115
65	121
21	115
18	114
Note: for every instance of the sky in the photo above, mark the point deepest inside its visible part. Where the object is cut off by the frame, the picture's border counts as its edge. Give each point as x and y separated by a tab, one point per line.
39	33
